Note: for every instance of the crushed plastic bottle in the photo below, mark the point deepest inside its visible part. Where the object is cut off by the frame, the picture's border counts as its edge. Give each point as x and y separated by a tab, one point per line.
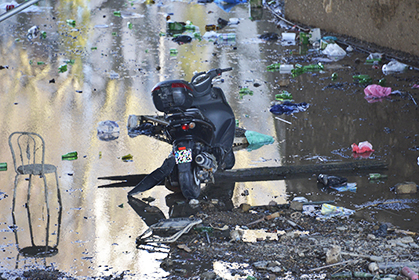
108	130
33	32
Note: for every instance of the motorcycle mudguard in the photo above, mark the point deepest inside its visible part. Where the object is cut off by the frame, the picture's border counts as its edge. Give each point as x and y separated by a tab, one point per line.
154	177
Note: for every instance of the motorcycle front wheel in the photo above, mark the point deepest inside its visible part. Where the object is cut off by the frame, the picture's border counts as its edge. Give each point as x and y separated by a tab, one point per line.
189	183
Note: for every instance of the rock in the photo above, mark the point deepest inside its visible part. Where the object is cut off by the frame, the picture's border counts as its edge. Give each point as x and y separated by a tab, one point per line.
295	205
245	207
333	255
208	275
406	188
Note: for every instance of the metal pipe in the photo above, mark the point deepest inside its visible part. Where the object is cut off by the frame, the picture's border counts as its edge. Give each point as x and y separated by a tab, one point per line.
16	10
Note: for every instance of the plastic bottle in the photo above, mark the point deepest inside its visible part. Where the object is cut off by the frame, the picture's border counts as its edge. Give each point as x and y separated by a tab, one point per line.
3	166
406	271
334	76
226	38
70	156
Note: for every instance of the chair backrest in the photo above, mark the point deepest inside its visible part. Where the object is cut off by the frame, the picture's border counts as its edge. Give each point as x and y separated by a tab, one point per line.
28	150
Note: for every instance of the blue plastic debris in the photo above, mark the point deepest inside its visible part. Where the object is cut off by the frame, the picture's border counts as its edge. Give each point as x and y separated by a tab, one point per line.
289	108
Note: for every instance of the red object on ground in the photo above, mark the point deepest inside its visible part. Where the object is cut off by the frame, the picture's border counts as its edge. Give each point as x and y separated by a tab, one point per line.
406	271
362	147
377	91
9	7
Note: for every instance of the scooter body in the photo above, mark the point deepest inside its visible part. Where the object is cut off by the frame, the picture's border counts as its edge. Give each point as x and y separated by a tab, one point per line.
201	129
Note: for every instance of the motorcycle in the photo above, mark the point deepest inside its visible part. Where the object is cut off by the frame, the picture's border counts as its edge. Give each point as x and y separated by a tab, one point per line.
199	124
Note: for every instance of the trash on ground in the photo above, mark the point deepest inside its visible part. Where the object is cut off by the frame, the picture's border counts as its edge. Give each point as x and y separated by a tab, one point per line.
362	147
284	95
127	158
331	180
376	176
282	68
351	187
167	231
288	108
257	140
329	210
62	68
406	188
226	39
33	32
182	39
3	166
270	36
376	91
362	79
408	272
394	67
108	130
288	39
245	91
334	51
71	22
70	156
300	69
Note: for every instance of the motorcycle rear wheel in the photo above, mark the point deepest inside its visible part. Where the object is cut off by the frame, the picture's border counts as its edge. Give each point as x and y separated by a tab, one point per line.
189	183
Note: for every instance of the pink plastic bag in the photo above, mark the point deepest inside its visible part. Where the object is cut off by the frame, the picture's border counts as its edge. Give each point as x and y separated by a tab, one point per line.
362	147
377	91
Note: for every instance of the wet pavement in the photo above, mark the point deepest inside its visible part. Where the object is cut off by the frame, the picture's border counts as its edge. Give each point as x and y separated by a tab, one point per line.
111	69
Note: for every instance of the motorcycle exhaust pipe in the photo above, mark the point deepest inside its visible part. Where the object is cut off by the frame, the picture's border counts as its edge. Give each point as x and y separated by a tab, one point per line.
206	161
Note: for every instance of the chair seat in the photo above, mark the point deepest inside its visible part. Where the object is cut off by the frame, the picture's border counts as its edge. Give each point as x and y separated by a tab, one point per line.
35	169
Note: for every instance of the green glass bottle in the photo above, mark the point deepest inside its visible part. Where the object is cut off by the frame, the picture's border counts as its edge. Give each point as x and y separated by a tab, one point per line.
3	166
360	274
376	176
344	274
70	156
363	79
273	67
285	95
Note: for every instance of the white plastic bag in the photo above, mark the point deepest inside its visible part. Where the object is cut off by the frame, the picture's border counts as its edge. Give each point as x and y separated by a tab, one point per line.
393	67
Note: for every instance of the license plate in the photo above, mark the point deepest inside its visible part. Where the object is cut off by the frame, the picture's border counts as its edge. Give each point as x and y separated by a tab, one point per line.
183	156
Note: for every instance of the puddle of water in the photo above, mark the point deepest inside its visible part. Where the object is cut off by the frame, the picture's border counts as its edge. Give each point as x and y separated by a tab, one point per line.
98	227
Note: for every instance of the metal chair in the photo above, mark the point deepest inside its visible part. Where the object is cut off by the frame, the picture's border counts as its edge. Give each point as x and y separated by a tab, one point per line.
28	151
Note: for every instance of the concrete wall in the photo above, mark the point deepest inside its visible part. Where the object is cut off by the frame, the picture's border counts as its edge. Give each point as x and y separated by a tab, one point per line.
388	23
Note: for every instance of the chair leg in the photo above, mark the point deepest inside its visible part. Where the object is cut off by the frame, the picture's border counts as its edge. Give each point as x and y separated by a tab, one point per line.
13	213
28	209
60	211
48	212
